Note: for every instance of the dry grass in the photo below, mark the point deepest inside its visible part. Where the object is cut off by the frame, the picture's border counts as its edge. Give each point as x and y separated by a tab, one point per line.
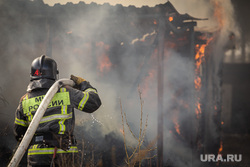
138	154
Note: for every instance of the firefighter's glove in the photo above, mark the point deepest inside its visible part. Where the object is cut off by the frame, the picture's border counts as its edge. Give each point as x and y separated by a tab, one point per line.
77	80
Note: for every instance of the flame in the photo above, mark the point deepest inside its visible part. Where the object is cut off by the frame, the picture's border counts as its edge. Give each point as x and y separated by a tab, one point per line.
219	12
219	152
221	147
176	125
198	109
197	83
199	59
150	77
222	123
170	18
104	63
199	56
146	83
170	45
155	22
215	107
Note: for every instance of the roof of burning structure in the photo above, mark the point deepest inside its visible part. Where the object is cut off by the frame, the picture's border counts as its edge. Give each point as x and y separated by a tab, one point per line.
123	23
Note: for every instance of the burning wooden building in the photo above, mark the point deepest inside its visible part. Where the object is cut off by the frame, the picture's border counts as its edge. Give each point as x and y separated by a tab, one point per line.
163	36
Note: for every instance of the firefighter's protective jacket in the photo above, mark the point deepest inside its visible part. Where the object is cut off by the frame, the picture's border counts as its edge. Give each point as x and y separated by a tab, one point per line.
59	118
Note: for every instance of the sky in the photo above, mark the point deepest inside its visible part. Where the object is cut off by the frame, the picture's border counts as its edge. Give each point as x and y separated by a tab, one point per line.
137	3
181	6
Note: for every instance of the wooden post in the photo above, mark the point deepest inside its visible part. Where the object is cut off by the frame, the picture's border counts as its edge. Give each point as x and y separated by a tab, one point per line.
160	75
192	117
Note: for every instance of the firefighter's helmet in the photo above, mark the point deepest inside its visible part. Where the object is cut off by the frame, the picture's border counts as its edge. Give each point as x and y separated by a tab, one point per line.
43	67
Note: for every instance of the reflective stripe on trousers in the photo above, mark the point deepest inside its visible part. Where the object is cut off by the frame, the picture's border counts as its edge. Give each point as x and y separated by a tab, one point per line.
39	151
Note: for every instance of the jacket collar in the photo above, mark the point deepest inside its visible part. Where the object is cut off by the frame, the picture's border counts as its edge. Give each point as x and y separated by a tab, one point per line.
41	83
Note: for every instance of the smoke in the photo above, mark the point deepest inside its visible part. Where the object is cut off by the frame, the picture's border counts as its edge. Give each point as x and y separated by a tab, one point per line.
81	36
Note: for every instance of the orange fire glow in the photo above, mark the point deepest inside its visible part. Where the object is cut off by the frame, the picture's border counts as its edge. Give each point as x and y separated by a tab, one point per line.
220	151
155	22
198	109
199	59
170	18
221	147
150	77
197	83
176	125
199	56
104	63
215	107
218	13
146	83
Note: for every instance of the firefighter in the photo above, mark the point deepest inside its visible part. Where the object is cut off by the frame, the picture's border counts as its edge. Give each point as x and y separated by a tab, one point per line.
54	141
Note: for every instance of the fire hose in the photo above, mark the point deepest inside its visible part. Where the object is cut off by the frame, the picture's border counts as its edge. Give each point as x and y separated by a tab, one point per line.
23	146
